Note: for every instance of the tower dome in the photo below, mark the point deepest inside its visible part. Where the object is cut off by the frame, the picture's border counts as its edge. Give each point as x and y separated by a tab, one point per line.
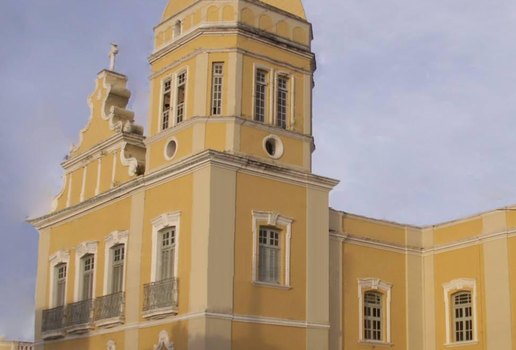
294	7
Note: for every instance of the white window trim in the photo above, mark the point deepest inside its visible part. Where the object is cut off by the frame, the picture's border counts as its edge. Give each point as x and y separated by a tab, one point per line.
162	91
375	284
175	85
159	223
113	239
283	223
289	116
269	107
83	249
449	288
60	257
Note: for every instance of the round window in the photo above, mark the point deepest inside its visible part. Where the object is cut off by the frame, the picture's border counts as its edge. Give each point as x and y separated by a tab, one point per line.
273	146
170	149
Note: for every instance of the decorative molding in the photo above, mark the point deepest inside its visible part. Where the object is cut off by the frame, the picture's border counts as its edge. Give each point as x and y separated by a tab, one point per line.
158	223
367	284
450	288
111	345
164	342
282	222
207	157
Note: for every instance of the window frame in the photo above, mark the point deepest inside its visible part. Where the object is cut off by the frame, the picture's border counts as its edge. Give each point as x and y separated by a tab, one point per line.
112	240
163	221
382	288
87	259
83	249
60	257
170	110
266	94
450	289
283	225
179	85
167	234
217	86
284	107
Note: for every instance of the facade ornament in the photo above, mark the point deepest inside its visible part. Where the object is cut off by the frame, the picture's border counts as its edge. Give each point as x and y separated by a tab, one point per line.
111	345
112	56
164	342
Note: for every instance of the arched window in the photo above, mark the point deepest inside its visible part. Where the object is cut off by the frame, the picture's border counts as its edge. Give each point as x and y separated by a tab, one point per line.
374	302
460	311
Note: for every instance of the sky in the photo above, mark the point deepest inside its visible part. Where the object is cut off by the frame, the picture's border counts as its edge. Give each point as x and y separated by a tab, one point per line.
414	109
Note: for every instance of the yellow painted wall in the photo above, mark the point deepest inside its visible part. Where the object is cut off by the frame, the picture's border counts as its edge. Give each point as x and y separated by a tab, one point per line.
173	196
373	229
462	263
259	337
363	262
458	231
90	343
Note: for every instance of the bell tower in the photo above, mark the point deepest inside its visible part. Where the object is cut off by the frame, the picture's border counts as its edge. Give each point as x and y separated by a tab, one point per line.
233	76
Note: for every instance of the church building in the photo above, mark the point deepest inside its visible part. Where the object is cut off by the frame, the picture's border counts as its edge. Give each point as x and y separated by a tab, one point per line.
209	231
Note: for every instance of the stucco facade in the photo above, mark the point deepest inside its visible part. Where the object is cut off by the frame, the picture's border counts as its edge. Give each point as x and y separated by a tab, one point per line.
210	231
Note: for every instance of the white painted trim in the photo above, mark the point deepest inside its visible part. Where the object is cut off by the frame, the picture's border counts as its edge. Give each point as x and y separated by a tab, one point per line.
292	123
164	342
99	175
131	163
113	239
69	194
173	138
159	223
367	284
83	185
185	69
280	148
111	345
89	247
449	288
285	225
256	67
60	257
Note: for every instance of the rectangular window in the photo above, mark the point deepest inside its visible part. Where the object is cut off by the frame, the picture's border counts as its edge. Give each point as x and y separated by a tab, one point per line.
281	103
88	264
117	265
462	317
60	284
260	95
269	255
165	108
216	88
181	91
167	252
373	316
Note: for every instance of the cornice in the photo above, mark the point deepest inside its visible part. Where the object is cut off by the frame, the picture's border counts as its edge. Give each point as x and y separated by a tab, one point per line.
240	120
205	158
235	28
106	145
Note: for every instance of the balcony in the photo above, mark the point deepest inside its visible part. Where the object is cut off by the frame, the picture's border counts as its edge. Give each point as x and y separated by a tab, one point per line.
52	323
160	298
79	316
109	310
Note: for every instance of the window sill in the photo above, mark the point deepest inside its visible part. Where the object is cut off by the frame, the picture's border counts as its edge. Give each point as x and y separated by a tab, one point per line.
376	343
271	285
462	343
160	313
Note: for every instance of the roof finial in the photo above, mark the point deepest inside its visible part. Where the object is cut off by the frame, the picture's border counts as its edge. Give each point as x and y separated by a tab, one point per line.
112	56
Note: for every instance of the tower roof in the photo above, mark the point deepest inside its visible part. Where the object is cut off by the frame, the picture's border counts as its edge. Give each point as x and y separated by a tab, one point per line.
294	7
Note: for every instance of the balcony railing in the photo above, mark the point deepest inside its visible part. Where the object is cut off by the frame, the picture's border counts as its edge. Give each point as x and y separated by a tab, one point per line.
160	297
52	320
78	315
109	307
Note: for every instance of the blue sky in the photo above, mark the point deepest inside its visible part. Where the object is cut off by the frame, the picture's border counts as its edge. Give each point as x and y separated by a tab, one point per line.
414	112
